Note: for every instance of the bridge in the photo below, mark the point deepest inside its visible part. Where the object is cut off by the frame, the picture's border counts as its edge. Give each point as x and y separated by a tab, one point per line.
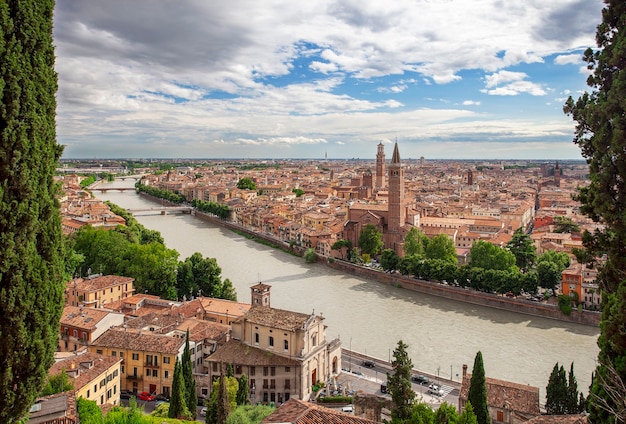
105	189
130	177
163	210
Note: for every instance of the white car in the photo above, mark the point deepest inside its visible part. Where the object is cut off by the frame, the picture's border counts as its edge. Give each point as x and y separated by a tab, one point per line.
349	409
434	389
203	412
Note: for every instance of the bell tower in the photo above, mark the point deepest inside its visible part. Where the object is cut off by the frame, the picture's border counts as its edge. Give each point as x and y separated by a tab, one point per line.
260	294
397	213
380	166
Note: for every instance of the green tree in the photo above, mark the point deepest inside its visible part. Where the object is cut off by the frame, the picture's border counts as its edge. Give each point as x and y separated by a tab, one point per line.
243	391
298	191
601	118
399	383
57	384
246	183
310	256
191	397
573	404
468	416
446	414
557	392
31	265
370	240
414	242
522	247
441	247
249	414
344	246
477	394
489	256
548	274
389	259
198	275
564	224
421	413
223	404
178	404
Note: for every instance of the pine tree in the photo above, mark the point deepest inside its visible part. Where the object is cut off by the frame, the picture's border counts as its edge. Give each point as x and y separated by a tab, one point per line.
572	393
477	394
31	260
399	383
468	416
177	400
600	134
223	404
557	391
191	397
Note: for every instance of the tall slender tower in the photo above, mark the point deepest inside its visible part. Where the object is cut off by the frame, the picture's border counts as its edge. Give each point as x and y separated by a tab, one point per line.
397	213
380	166
557	175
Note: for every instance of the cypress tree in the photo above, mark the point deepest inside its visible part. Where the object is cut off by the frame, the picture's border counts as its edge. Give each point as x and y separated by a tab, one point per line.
399	383
600	134
223	405
572	406
468	416
191	397
477	395
243	392
31	259
177	400
557	391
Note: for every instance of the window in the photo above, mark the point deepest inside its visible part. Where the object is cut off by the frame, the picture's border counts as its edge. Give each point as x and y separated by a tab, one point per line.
114	353
155	373
287	384
271	341
500	416
193	351
95	388
252	370
256	338
88	391
122	367
121	354
166	374
287	369
237	369
135	356
99	351
272	370
166	359
265	370
286	344
214	366
75	332
265	383
272	384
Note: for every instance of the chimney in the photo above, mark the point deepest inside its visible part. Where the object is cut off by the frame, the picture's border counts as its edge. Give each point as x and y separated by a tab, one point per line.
464	370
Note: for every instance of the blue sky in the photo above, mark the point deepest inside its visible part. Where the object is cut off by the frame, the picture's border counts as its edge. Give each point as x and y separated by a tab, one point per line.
447	79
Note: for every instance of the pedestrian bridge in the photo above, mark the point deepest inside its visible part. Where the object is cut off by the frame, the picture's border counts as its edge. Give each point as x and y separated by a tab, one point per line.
163	210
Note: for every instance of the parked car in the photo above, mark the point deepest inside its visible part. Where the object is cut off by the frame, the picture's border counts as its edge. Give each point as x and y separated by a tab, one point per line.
146	396
126	394
420	379
162	397
368	364
435	390
348	408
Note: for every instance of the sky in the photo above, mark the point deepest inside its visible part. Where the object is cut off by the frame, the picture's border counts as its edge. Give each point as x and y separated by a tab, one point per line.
446	79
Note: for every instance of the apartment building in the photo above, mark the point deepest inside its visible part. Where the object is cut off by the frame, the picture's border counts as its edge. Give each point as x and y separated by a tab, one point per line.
79	326
96	290
95	377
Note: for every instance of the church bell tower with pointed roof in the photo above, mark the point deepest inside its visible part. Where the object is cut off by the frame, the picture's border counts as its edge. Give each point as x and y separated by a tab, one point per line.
397	212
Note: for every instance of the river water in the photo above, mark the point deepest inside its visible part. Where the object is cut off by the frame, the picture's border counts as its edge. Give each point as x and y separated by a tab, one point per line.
371	318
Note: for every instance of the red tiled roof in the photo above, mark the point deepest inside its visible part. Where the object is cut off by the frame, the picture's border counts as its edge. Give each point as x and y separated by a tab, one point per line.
298	412
236	352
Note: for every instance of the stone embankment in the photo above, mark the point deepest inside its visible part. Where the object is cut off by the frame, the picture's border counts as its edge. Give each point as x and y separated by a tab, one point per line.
522	306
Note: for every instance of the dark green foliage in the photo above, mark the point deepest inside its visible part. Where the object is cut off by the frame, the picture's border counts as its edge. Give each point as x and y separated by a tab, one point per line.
565	304
565	225
243	391
441	247
389	260
370	240
31	265
468	416
249	414
477	394
414	242
490	257
600	134
556	391
88	412
170	196
177	400
298	191
246	183
217	209
344	246
57	384
446	414
399	383
191	397
197	276
522	247
223	404
310	256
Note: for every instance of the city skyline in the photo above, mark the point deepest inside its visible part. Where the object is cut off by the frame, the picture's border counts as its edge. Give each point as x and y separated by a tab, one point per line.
326	79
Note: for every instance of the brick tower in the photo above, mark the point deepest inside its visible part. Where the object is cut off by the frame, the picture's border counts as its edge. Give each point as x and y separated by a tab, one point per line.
397	213
380	166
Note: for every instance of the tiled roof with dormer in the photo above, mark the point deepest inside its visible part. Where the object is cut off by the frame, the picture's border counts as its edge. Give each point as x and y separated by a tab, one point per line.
236	352
295	411
87	367
276	318
99	282
83	318
140	342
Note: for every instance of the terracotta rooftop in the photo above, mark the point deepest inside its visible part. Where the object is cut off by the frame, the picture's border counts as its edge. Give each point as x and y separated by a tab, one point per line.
95	283
277	318
518	397
89	366
558	419
84	318
298	412
140	342
236	352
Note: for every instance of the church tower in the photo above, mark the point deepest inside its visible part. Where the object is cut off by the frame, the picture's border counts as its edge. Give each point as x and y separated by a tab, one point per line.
260	294
397	213
380	166
557	174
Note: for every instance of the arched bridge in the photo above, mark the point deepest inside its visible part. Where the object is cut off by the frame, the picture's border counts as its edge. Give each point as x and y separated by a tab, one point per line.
163	210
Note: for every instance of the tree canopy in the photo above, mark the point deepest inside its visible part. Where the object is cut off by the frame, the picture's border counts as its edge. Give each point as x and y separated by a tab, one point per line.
370	240
489	256
31	265
399	383
600	117
246	183
522	247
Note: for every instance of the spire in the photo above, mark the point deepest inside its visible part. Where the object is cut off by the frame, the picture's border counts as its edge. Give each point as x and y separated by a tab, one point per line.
395	158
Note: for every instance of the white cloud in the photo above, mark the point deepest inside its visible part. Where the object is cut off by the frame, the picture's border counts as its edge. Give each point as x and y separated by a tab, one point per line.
506	83
568	59
470	103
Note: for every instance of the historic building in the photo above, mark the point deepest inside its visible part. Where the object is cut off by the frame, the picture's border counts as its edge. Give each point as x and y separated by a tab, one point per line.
283	353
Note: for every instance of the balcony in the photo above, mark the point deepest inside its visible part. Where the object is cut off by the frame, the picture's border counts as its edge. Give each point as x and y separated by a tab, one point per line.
151	365
134	377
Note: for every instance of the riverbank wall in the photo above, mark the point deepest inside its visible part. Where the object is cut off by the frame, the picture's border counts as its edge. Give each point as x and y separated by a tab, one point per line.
522	306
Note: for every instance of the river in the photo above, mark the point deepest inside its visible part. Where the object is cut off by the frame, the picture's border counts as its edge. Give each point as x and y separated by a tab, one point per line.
371	318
